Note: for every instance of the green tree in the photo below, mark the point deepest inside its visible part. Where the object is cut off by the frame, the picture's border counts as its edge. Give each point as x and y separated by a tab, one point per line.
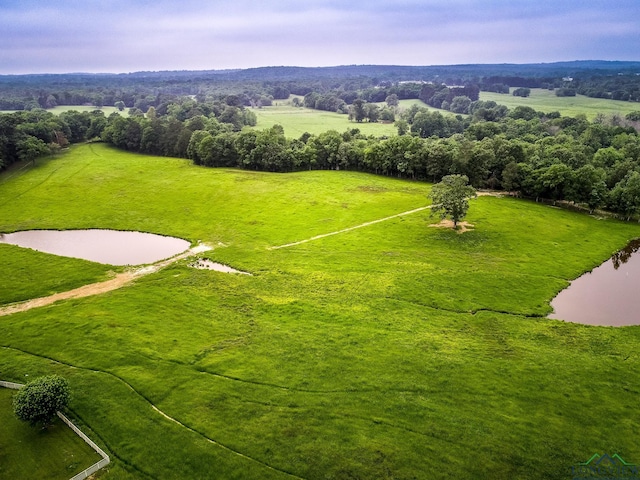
522	92
358	111
450	198
392	100
460	104
387	115
39	400
633	116
625	196
29	148
233	115
511	177
373	112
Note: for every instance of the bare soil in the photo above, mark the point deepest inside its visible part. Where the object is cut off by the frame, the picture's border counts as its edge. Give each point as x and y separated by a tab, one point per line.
446	223
120	280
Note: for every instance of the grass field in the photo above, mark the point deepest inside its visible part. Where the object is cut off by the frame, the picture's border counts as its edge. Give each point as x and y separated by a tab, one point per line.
546	101
390	351
28	452
297	120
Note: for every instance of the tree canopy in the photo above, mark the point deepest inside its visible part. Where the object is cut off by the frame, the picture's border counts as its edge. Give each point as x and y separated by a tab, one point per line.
39	400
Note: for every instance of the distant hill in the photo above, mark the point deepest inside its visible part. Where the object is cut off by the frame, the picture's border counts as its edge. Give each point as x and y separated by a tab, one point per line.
584	68
577	69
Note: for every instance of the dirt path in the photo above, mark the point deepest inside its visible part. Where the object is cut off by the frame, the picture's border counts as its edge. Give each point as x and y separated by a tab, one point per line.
366	224
100	287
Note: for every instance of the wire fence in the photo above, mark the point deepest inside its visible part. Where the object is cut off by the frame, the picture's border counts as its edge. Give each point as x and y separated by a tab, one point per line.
93	468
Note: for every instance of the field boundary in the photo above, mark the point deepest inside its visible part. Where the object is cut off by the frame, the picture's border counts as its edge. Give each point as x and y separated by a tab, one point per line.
344	230
93	468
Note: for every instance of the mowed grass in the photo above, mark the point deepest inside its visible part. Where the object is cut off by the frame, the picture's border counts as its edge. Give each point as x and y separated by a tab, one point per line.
546	101
395	350
27	452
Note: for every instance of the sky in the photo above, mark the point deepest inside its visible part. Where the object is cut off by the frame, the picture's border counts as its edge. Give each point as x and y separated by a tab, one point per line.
120	36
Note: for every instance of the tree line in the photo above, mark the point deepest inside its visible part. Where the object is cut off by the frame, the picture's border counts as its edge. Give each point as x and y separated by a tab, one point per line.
520	150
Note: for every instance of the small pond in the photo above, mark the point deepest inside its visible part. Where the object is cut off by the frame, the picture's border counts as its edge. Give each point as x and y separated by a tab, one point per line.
110	247
609	295
204	264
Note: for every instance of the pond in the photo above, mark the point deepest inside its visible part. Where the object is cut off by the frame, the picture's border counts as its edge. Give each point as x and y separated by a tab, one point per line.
609	295
204	264
110	247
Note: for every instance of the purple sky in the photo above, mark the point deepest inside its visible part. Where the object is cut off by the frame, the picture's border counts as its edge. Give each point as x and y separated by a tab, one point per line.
130	35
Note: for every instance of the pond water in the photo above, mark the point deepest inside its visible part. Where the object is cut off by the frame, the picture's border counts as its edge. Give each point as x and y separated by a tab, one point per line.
205	264
110	247
609	295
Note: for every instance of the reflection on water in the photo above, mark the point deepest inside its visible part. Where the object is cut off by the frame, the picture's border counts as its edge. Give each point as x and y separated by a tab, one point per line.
111	247
608	295
624	255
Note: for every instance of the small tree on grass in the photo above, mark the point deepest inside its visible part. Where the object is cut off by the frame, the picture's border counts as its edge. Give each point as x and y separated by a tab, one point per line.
38	401
450	198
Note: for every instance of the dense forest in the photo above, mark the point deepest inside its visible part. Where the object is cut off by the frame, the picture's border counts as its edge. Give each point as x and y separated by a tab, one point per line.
204	117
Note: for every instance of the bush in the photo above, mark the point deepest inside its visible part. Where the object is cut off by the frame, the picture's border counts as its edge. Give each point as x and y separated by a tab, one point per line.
38	401
633	116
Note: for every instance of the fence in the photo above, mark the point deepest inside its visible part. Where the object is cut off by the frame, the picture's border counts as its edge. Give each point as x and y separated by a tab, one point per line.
13	386
93	468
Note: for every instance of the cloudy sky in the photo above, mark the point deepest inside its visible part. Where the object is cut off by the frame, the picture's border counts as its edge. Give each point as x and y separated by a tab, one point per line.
133	35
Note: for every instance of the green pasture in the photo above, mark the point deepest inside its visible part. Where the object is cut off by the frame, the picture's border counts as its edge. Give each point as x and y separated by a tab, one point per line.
298	120
27	452
396	350
544	100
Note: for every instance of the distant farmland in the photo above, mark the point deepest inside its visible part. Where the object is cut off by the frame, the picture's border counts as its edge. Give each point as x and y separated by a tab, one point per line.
547	101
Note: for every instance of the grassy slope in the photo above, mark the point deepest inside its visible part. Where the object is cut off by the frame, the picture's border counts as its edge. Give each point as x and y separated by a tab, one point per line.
546	101
32	452
354	356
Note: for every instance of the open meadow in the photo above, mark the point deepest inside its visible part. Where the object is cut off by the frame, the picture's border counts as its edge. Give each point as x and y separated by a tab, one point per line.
394	350
543	100
299	120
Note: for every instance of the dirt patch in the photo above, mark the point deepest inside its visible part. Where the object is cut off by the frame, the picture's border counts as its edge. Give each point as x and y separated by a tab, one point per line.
371	188
446	223
118	281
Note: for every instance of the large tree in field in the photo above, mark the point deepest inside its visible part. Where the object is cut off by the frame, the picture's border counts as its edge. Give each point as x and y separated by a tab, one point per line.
358	110
450	198
38	401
